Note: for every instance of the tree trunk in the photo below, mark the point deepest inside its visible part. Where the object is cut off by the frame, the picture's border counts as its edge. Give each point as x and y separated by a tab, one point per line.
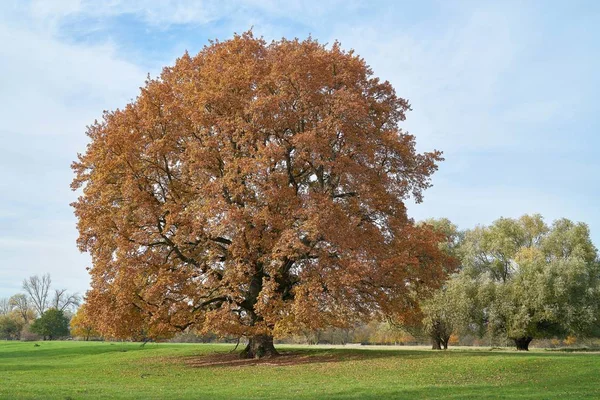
523	343
436	343
445	342
259	346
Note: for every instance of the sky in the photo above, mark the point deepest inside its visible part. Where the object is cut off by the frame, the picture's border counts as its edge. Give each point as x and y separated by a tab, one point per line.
507	90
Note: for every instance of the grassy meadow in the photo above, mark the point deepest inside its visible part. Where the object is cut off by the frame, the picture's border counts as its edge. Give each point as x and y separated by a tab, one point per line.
96	370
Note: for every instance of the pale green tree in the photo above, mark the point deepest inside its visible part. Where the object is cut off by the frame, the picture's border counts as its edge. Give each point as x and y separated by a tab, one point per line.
10	327
533	280
449	310
445	310
20	304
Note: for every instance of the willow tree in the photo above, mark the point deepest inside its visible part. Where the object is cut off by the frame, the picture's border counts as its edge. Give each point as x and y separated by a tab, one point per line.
533	280
254	189
444	310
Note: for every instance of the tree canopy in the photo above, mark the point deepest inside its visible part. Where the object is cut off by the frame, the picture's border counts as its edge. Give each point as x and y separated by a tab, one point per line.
445	310
10	328
255	189
81	326
522	279
20	305
52	324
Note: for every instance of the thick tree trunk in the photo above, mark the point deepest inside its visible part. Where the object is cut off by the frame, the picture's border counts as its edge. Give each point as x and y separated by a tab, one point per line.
445	342
523	343
436	343
259	346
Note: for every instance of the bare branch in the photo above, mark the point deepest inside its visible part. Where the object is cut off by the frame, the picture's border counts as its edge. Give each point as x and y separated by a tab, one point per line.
37	288
63	301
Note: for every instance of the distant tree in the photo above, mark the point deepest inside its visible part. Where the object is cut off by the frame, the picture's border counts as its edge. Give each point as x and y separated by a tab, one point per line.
385	333
9	327
20	304
255	189
444	310
447	312
5	306
51	325
38	289
533	281
65	301
81	325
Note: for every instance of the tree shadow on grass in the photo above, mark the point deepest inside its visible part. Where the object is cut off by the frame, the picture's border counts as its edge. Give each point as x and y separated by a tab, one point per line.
291	357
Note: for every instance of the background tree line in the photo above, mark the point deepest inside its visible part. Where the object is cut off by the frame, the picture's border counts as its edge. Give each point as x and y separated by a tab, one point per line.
518	280
39	311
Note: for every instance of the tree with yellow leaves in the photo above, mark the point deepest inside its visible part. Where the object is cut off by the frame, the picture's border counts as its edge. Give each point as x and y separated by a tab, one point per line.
81	326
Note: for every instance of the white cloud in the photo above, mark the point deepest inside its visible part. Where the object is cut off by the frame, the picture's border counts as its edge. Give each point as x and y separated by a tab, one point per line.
50	91
478	84
161	14
157	13
451	77
51	10
59	82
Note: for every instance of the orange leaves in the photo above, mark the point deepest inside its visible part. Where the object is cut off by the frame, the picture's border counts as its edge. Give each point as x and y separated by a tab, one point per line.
254	188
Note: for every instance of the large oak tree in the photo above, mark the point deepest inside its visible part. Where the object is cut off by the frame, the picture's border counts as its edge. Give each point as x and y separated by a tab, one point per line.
255	189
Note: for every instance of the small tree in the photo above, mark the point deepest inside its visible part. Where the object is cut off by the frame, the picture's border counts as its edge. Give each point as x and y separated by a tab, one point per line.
20	304
10	327
449	311
81	325
445	310
51	325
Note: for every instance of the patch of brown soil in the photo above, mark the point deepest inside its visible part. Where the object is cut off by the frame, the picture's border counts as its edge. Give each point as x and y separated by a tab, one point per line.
234	360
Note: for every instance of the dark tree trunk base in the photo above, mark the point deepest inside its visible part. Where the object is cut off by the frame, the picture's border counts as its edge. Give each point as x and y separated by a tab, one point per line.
259	346
445	341
436	344
523	343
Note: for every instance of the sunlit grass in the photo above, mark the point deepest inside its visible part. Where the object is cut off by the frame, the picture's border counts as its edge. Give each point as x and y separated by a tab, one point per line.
77	370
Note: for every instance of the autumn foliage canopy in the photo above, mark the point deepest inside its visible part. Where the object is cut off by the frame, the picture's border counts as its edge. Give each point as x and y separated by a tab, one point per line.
255	189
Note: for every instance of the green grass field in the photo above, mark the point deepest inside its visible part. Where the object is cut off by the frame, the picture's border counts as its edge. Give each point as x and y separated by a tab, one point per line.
83	370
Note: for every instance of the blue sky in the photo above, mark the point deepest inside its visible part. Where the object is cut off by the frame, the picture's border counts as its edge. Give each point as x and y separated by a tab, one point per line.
508	90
